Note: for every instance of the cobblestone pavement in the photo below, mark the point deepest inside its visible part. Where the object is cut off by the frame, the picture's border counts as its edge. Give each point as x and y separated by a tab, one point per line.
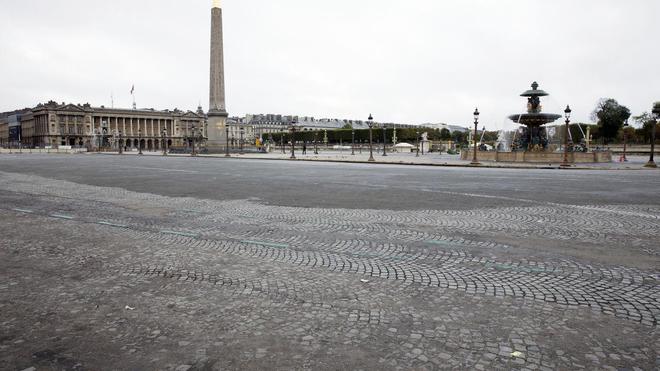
108	278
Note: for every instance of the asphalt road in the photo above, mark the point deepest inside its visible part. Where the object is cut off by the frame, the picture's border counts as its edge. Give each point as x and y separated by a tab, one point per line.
223	264
359	186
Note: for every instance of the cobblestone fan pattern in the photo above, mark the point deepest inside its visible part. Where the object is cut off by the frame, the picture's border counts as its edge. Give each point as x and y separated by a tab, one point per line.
182	283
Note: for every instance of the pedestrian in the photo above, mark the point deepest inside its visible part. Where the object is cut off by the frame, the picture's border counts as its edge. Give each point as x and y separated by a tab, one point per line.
304	147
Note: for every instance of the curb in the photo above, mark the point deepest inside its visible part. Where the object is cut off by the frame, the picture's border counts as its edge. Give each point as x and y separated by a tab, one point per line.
487	166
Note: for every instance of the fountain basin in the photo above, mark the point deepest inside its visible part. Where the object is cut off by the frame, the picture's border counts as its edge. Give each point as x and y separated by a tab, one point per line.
534	119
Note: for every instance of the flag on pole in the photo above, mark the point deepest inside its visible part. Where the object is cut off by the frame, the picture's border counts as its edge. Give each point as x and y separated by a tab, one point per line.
132	88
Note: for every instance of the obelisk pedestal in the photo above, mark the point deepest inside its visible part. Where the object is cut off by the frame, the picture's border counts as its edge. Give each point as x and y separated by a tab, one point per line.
217	115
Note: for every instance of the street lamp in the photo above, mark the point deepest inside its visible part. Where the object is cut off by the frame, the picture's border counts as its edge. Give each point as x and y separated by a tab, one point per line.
293	140
476	124
371	149
227	141
121	146
625	142
567	114
140	142
241	140
316	147
656	116
384	140
164	142
417	142
194	137
352	140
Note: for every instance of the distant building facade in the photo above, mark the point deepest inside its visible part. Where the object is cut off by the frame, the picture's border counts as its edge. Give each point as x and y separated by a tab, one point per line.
81	125
261	124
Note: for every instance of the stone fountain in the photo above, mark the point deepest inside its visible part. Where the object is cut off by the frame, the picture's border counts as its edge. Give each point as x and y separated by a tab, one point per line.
531	142
534	137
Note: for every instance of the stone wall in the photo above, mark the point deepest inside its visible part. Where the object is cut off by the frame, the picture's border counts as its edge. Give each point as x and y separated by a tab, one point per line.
539	157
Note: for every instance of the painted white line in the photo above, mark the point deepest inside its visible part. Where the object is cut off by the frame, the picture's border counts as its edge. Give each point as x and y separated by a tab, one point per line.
61	216
24	211
160	169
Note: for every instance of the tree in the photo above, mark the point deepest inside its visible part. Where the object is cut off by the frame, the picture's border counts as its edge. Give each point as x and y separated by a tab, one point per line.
445	134
610	116
459	137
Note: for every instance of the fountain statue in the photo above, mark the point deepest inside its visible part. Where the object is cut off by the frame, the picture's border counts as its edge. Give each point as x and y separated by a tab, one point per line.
534	137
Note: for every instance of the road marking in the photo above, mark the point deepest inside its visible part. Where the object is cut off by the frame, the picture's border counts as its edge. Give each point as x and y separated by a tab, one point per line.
24	211
184	234
191	211
61	216
269	244
160	169
112	224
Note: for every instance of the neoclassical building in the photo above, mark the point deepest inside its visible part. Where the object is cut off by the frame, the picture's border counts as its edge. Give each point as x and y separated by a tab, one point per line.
53	124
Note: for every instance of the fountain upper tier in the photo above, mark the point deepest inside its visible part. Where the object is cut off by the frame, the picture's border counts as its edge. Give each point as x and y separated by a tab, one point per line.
534	117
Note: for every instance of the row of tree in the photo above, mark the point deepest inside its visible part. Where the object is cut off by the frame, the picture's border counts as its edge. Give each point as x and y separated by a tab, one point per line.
410	135
609	115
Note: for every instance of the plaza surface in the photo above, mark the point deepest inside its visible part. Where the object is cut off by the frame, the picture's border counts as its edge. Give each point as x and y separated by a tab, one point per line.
127	262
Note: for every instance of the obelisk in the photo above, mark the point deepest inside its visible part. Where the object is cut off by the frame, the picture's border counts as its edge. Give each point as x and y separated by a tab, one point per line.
217	116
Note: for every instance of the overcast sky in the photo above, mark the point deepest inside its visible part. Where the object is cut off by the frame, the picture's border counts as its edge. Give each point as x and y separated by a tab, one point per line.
406	61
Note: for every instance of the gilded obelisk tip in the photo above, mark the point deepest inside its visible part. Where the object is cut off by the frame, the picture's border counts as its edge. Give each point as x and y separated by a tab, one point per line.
216	3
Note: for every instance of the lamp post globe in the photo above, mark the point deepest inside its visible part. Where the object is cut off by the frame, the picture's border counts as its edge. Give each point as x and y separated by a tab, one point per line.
476	125
656	117
567	115
371	149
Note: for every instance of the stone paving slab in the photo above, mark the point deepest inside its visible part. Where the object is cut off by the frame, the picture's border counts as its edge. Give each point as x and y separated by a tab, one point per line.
179	283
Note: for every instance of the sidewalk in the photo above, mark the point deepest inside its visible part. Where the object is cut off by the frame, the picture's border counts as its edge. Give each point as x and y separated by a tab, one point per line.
432	159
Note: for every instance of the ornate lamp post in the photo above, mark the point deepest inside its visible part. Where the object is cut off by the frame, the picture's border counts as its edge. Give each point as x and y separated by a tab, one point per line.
371	149
567	114
384	140
656	116
164	142
352	140
625	142
140	142
242	131
476	125
194	138
227	141
121	144
293	140
417	142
